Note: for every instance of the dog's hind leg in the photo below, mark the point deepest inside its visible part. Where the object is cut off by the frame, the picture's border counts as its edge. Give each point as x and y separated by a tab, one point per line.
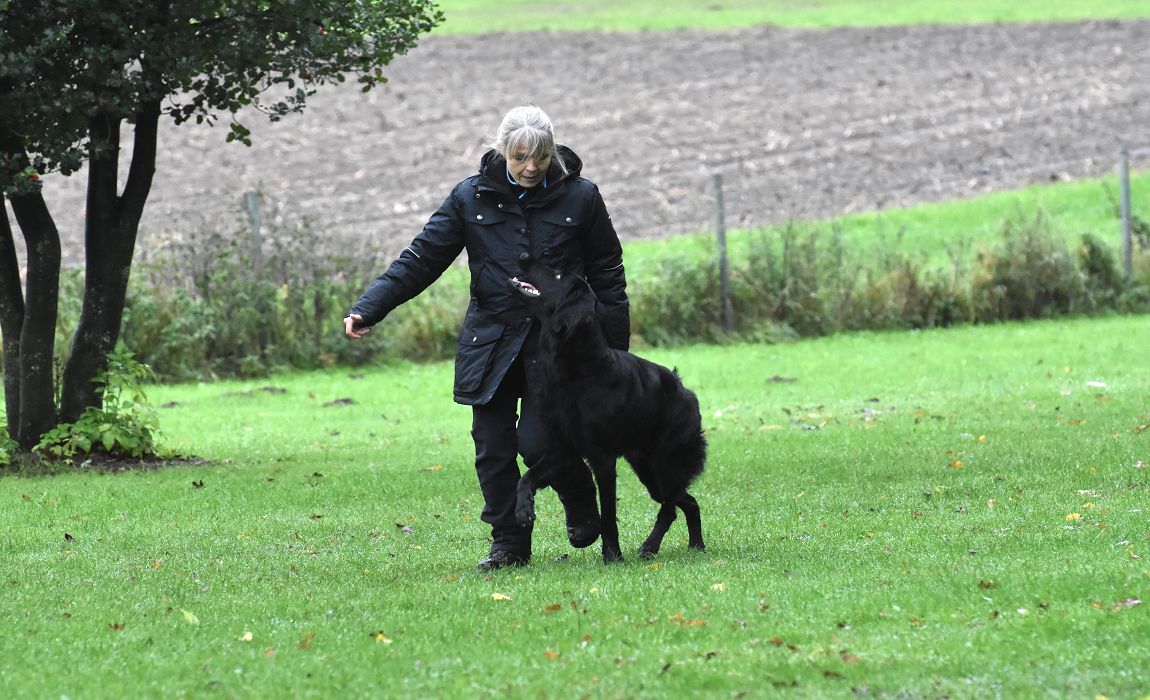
605	477
690	508
650	546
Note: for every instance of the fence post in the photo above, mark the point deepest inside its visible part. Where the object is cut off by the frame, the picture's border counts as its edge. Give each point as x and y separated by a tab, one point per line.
1127	240
724	267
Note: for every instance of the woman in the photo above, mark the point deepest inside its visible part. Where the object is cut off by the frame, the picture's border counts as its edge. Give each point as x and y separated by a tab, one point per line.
528	197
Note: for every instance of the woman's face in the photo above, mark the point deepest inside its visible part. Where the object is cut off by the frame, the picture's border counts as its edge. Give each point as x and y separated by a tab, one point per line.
528	169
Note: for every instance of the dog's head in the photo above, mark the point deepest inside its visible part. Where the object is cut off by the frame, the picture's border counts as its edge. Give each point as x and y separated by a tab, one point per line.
552	294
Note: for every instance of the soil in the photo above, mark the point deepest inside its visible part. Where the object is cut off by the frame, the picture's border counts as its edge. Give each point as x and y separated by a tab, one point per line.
801	124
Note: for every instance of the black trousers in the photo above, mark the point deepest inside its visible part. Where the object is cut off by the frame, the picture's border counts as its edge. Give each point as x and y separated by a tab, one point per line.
506	427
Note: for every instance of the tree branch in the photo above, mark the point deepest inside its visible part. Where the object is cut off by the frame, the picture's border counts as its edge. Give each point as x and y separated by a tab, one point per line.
142	169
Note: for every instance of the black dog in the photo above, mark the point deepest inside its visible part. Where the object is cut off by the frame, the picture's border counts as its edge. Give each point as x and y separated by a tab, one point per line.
599	404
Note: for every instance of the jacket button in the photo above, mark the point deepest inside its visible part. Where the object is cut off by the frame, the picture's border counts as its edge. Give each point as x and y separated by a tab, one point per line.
475	339
568	219
524	257
477	195
500	205
479	217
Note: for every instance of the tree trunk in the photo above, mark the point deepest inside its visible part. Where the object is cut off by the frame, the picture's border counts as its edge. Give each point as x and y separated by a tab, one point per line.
11	320
37	409
111	225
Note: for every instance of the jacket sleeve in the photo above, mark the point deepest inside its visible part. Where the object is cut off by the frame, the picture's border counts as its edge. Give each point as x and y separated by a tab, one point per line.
420	264
603	266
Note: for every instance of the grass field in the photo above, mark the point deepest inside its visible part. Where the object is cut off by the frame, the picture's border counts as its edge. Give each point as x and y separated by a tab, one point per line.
957	513
477	16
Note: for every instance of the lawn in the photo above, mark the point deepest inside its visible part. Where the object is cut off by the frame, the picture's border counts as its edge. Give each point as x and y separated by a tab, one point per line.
957	513
952	513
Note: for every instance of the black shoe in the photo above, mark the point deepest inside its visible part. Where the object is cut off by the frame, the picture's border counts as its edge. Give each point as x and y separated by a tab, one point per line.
583	524
500	558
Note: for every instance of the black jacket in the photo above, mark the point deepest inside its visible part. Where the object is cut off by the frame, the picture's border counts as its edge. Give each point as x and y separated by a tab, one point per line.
564	224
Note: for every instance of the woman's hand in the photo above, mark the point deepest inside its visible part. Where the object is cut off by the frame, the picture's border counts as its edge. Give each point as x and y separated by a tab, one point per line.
352	328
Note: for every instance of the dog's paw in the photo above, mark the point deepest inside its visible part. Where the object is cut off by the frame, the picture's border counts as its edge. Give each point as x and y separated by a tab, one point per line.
611	555
525	512
646	552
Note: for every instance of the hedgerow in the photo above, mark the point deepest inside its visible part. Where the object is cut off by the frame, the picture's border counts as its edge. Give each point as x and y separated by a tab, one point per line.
209	307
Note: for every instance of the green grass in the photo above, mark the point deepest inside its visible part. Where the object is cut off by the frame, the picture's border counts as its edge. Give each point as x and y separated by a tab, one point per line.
479	16
898	521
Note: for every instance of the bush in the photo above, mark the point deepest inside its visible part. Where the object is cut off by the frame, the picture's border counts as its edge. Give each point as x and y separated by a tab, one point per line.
1031	274
212	307
125	425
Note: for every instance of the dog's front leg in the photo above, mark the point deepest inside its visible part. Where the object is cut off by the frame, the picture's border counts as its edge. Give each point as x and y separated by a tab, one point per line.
604	470
535	478
525	498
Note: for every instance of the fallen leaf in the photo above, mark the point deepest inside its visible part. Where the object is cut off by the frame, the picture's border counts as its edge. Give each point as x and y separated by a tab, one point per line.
1073	517
155	564
848	658
405	529
956	464
554	607
190	617
380	638
718	586
499	596
69	538
116	626
687	622
306	640
551	654
199	484
246	637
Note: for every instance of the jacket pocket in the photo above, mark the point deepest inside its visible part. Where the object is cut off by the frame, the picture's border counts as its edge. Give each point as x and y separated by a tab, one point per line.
477	341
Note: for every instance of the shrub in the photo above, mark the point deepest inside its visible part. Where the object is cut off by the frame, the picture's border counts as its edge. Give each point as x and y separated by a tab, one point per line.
125	425
1031	274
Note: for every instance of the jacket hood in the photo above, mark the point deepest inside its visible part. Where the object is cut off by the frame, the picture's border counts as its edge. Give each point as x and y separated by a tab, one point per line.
493	165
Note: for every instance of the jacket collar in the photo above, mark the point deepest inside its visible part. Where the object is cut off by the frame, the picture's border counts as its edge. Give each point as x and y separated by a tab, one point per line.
493	173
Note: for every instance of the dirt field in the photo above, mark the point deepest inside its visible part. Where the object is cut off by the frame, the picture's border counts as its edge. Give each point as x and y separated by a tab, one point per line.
801	124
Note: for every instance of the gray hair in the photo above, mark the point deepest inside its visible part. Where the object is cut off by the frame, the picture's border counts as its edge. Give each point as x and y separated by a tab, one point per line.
527	128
